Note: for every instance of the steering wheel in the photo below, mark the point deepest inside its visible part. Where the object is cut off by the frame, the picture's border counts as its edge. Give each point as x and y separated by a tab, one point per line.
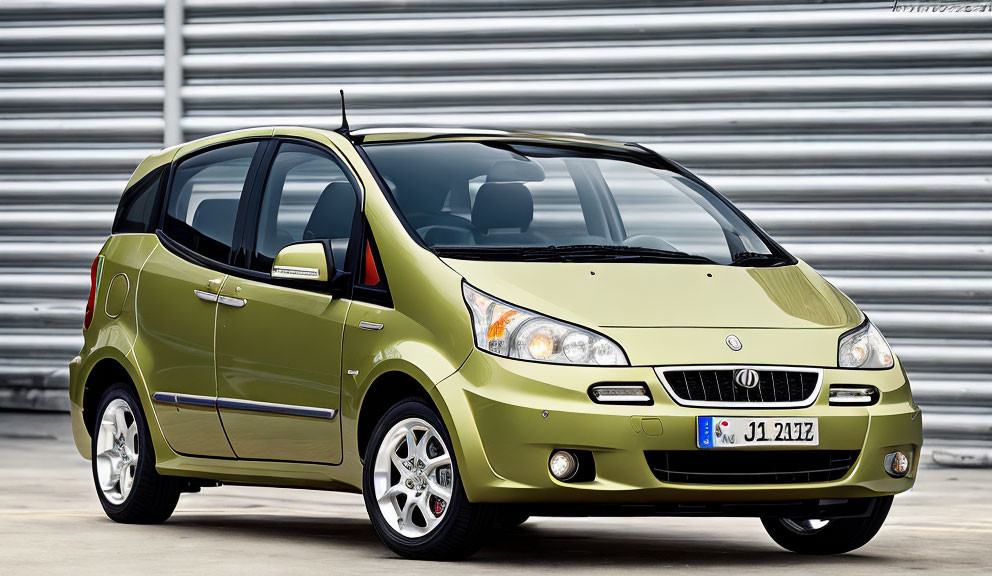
649	241
429	233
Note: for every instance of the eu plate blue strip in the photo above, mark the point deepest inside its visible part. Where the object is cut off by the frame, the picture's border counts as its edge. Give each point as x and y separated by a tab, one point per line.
704	431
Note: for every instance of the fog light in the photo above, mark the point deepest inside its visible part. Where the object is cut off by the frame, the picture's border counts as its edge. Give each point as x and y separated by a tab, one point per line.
896	464
563	465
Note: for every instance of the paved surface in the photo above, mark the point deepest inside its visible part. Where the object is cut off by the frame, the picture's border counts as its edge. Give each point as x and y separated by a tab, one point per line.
51	522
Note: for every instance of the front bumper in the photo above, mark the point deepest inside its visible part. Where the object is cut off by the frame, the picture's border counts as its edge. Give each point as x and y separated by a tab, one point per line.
506	417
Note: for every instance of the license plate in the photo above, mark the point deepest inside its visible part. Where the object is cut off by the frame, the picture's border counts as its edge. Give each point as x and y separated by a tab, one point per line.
734	432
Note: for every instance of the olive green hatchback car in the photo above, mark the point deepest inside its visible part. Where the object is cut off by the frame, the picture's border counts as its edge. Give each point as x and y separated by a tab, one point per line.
475	327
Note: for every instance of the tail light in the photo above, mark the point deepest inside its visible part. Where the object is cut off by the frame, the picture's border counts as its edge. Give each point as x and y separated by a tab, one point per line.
96	270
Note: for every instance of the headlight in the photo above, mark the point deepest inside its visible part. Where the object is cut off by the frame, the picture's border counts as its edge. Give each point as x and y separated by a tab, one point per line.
512	332
864	347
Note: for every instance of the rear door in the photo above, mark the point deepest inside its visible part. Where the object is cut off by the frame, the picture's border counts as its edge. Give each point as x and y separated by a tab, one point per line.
278	341
177	295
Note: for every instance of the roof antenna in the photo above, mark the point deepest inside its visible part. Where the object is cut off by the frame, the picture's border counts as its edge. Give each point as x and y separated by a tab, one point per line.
344	129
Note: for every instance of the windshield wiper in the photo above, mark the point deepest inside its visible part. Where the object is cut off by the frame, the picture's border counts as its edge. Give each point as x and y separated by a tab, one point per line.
569	253
597	252
751	258
509	253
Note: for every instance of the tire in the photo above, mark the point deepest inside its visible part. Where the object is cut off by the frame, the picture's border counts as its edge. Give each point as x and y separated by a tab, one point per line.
835	537
419	490
148	497
510	517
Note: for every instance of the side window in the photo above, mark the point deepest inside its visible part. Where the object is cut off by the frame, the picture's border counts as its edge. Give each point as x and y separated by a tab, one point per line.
307	197
138	205
203	201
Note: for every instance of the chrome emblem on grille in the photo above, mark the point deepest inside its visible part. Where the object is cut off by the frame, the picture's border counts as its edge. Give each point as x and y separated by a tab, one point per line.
734	342
746	377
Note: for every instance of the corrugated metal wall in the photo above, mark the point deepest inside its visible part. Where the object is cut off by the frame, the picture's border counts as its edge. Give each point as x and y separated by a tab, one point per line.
858	136
80	104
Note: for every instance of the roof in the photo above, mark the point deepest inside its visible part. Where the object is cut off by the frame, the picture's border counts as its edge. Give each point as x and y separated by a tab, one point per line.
414	133
372	135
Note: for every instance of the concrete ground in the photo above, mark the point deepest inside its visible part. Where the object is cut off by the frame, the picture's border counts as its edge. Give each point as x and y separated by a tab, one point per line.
51	522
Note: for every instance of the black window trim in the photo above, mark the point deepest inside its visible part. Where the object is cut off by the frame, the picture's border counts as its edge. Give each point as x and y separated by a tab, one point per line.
128	198
182	250
341	283
343	286
379	294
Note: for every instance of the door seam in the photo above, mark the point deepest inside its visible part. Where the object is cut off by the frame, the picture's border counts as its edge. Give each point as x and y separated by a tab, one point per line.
216	374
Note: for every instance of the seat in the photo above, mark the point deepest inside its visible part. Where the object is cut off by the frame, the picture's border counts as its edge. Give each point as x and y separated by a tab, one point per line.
215	217
502	214
332	218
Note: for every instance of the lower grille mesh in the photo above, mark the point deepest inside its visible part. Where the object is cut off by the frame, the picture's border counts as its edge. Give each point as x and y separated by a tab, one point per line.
750	466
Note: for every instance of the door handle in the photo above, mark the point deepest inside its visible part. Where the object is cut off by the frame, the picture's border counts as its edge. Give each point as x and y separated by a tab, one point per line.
205	296
230	301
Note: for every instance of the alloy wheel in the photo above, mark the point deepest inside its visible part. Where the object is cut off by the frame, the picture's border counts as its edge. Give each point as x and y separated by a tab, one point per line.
803	527
117	451
413	478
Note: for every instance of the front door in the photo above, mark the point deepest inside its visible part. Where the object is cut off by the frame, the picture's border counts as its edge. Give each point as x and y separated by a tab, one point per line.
279	344
177	298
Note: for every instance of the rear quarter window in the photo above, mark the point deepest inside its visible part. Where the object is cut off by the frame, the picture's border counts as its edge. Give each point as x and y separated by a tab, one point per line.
137	207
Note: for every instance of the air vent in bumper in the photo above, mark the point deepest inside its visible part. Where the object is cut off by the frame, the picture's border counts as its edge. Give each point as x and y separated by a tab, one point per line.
750	466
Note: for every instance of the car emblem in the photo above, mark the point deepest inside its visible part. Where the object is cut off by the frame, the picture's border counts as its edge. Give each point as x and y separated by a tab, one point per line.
746	377
734	342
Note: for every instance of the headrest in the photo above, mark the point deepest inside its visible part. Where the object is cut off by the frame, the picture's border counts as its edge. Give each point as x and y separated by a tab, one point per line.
214	217
515	171
502	205
333	214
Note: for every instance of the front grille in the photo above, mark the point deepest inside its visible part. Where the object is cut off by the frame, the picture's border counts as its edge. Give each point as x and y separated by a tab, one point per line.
750	466
715	385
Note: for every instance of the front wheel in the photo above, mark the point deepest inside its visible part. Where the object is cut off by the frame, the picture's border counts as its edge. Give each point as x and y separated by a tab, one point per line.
412	489
823	537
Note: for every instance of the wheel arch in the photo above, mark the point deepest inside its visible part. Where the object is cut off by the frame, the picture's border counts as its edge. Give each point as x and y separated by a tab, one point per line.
385	391
105	372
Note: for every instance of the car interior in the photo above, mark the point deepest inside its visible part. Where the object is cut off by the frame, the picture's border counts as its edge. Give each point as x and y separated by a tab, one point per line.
493	196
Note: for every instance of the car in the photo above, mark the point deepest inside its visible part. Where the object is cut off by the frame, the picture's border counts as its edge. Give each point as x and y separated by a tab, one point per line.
473	327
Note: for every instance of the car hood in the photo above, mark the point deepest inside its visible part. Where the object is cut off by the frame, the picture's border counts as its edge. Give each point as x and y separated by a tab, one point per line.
643	295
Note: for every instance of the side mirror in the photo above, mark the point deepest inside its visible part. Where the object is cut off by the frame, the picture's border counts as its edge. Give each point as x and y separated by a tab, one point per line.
304	261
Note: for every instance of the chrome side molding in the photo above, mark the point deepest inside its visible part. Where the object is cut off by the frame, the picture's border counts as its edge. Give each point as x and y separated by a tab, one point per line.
188	400
235	405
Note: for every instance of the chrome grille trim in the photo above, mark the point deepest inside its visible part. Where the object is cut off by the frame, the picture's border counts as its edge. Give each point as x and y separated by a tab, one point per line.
773	403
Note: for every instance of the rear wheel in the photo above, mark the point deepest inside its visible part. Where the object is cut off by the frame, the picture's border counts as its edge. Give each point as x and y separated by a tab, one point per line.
822	537
129	488
412	490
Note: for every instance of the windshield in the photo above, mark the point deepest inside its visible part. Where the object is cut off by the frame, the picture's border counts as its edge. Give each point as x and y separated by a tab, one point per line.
520	201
